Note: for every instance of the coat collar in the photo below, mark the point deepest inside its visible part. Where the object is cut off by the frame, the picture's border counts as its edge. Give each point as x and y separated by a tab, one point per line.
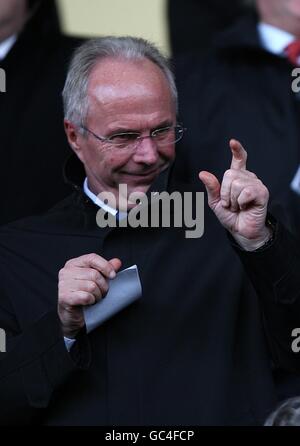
242	35
242	40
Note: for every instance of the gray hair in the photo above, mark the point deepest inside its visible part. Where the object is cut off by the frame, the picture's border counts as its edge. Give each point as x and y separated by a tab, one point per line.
75	98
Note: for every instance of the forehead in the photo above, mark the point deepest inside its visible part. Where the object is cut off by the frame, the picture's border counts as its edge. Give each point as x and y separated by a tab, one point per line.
118	81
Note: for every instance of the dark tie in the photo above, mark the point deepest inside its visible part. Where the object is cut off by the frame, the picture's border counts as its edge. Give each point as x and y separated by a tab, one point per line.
292	52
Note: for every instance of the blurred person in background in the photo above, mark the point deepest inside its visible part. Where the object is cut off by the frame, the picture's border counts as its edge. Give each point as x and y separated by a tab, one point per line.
193	23
34	54
243	87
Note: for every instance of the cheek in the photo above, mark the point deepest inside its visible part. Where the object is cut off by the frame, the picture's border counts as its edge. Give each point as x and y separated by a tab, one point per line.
104	158
115	162
167	153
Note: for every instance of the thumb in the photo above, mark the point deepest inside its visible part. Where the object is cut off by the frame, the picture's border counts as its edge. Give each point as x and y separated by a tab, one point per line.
116	264
212	186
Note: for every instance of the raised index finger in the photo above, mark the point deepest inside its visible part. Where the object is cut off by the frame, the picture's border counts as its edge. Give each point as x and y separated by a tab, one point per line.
239	155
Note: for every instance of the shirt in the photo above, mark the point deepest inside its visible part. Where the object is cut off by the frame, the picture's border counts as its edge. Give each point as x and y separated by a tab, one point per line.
6	46
274	39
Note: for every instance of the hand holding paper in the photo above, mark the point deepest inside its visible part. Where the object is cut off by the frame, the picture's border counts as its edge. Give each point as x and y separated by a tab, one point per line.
82	281
123	290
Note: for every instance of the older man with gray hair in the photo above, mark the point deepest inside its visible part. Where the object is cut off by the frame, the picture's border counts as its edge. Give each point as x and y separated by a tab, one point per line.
174	339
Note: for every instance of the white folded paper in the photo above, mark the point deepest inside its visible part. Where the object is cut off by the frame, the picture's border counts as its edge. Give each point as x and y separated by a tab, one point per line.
295	184
125	289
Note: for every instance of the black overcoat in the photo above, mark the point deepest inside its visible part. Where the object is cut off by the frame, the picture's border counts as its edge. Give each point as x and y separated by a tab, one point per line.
191	351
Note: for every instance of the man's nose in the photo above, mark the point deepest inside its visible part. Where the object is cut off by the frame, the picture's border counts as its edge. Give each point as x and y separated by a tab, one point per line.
146	151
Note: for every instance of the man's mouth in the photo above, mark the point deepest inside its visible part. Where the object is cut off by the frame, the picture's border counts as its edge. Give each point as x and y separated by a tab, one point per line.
146	174
151	173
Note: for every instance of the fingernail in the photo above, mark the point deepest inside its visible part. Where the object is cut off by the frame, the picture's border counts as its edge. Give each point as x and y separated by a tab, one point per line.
112	274
224	204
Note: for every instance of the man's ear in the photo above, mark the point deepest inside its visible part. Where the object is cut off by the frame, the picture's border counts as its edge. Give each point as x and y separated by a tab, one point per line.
74	138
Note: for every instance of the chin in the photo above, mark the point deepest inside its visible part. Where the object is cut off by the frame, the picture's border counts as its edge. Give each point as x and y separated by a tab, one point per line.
124	202
141	189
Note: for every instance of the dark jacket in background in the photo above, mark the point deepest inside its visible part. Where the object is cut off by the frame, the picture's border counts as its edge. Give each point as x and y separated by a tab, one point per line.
191	351
33	142
274	272
239	90
193	23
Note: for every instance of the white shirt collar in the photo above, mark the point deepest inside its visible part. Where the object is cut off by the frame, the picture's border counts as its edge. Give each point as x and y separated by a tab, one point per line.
273	39
97	200
6	46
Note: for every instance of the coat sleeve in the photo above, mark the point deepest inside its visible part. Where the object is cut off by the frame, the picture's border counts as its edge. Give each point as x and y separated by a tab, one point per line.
36	363
275	275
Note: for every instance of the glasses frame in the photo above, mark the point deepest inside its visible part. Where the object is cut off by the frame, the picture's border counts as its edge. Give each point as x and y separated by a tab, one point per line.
152	135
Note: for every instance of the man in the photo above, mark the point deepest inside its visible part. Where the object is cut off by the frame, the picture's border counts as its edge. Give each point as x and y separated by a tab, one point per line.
192	350
34	55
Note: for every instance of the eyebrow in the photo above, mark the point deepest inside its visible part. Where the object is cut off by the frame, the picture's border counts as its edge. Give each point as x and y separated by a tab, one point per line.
163	124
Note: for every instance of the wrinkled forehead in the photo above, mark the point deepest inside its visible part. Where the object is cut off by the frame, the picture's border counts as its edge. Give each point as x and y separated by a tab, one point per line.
113	79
